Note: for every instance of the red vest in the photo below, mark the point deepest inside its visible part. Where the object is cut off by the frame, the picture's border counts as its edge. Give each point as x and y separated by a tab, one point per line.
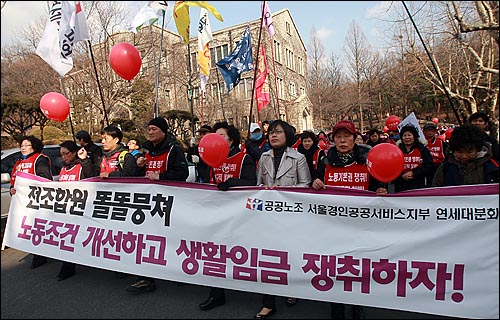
354	176
297	144
110	164
412	160
27	165
72	174
231	168
436	149
156	164
315	159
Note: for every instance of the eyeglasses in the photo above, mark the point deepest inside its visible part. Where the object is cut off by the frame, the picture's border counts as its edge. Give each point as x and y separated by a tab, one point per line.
25	145
276	132
63	154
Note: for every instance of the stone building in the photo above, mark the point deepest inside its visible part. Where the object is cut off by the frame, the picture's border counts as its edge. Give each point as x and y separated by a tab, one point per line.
287	64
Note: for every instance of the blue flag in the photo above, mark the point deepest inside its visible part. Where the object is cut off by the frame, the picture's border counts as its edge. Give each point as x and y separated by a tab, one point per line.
237	61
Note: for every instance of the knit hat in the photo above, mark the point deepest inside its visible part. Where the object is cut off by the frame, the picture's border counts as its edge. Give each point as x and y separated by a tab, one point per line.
160	123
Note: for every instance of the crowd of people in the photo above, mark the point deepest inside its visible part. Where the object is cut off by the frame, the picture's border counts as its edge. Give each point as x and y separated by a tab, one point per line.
274	155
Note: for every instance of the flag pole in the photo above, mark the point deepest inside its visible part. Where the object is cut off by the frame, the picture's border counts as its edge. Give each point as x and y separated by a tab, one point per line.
98	83
221	96
69	115
202	107
275	81
190	90
255	70
157	73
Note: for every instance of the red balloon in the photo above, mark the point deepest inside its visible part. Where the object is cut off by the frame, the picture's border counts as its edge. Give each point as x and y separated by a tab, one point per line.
392	123
126	60
435	120
385	162
213	149
448	133
54	106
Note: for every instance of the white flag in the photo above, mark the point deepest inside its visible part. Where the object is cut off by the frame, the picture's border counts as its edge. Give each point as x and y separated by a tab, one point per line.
81	29
148	14
56	44
159	5
412	120
204	37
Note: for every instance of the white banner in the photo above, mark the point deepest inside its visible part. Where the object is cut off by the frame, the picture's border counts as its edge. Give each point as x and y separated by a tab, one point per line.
431	251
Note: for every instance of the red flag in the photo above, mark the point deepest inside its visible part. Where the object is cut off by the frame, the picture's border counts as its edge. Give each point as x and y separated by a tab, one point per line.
262	81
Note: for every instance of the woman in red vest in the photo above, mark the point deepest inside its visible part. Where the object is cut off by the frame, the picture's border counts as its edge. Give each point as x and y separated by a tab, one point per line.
345	166
77	166
418	161
237	170
34	162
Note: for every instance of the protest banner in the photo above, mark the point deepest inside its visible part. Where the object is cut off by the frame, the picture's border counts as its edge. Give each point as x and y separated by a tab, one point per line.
432	251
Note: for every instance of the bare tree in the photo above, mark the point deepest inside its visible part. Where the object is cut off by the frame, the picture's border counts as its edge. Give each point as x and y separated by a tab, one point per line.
357	51
316	72
462	42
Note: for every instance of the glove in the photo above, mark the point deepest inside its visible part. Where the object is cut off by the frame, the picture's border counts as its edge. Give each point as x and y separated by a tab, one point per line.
224	186
195	158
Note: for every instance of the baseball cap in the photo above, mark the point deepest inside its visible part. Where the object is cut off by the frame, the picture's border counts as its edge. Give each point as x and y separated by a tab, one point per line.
254	126
344	124
430	125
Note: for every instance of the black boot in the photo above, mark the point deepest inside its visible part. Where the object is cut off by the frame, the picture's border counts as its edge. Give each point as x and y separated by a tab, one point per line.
67	270
38	261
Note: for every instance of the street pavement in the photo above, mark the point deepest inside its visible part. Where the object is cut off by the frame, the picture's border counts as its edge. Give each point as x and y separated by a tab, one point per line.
98	294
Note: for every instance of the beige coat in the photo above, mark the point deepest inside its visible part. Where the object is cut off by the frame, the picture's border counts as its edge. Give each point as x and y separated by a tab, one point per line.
293	170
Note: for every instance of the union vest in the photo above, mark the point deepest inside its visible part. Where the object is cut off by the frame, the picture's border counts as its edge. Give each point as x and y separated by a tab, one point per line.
27	165
72	174
315	158
231	168
110	164
412	160
156	164
436	149
353	176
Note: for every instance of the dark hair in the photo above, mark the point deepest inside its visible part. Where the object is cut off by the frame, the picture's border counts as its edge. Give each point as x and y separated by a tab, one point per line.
113	131
372	131
309	134
479	114
70	145
232	132
410	128
465	137
36	143
84	135
289	131
138	141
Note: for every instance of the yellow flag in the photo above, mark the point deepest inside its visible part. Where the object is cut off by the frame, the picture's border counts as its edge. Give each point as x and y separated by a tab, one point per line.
181	15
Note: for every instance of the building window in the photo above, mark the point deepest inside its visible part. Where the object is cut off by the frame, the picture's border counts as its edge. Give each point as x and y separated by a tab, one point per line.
279	84
289	59
302	91
299	65
293	90
287	25
277	51
218	53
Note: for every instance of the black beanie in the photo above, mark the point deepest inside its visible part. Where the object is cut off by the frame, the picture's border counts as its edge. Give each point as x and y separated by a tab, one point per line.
160	123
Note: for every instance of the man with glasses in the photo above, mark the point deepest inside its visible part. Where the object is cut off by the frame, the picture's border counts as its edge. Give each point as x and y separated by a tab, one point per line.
94	152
